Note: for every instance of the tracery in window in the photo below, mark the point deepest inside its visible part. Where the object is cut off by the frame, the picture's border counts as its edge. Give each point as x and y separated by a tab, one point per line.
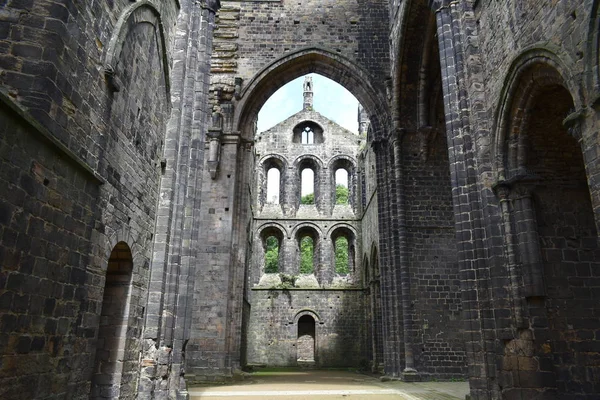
308	136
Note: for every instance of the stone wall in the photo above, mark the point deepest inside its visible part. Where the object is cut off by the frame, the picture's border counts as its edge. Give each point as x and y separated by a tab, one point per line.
48	212
91	83
340	326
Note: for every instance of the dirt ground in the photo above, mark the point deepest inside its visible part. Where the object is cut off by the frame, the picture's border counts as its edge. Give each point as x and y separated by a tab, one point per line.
330	385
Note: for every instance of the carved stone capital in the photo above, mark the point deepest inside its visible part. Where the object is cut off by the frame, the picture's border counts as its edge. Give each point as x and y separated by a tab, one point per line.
573	123
515	188
237	92
112	79
397	135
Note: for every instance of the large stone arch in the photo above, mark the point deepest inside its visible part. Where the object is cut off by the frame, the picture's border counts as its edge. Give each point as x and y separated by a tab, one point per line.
301	62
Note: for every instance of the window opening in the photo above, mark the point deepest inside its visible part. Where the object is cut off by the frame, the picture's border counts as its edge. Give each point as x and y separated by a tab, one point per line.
307	254
307	186
308	136
341	186
342	256
271	255
273	185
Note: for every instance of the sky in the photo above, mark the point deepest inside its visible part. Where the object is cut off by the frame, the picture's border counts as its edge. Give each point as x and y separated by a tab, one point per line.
330	99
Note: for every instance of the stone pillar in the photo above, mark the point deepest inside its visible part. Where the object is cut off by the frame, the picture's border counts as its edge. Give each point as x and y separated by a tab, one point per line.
392	351
464	90
401	259
167	319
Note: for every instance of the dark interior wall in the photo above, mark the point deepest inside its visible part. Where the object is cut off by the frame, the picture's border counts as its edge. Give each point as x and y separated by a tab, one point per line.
351	28
437	337
47	213
93	183
567	323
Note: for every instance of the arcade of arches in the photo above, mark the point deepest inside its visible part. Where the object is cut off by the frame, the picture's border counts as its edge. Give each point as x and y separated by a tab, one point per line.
143	249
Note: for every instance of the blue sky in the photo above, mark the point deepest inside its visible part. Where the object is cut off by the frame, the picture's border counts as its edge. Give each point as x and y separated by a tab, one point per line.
330	99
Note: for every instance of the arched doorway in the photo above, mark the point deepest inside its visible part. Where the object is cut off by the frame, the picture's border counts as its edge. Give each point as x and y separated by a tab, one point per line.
111	349
306	340
551	237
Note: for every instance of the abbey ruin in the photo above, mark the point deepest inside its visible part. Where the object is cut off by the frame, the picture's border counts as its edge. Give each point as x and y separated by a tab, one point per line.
143	251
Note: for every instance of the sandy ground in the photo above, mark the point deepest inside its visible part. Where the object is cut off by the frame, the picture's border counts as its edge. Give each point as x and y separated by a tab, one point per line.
330	385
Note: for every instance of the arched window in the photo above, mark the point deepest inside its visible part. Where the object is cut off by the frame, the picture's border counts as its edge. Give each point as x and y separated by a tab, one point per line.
307	132
343	174
271	181
307	185
343	251
307	255
272	245
341	186
273	185
342	258
308	136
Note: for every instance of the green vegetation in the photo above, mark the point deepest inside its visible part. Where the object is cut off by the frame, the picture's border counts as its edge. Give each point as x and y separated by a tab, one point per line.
308	199
272	255
341	194
341	256
306	255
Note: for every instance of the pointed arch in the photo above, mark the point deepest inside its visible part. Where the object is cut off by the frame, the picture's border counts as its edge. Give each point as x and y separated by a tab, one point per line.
144	11
532	70
301	62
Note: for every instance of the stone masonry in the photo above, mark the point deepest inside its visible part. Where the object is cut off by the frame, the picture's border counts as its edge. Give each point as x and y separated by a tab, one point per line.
132	207
335	301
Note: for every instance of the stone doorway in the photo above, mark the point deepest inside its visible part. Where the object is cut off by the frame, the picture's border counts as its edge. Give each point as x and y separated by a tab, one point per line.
306	341
112	335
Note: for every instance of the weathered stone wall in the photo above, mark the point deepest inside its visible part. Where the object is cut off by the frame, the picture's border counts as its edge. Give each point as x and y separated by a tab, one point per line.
271	338
370	257
47	214
252	34
91	184
435	282
492	79
340	326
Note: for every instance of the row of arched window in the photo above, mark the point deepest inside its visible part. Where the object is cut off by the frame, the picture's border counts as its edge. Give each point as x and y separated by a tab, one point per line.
343	251
309	190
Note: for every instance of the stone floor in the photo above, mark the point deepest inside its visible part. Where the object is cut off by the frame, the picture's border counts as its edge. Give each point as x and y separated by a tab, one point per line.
330	385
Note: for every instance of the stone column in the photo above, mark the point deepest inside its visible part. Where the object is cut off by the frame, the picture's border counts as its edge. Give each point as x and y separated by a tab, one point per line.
401	259
464	90
167	313
392	351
